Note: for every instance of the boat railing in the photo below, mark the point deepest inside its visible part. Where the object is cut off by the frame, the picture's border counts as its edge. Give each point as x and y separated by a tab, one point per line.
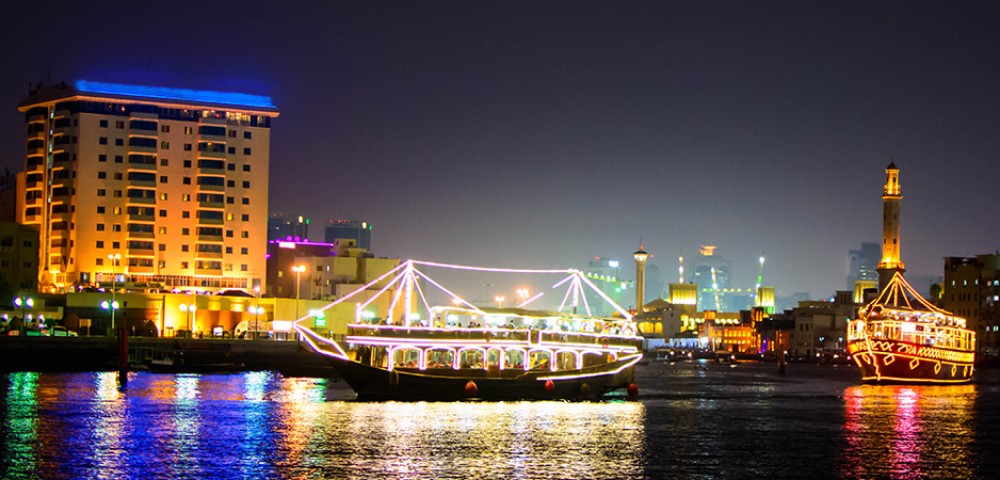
487	334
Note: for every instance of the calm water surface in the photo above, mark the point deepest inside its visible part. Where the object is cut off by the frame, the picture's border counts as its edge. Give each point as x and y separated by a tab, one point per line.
690	421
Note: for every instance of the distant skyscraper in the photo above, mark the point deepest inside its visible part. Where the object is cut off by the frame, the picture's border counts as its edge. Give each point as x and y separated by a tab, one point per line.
284	227
605	273
864	264
712	276
357	230
174	182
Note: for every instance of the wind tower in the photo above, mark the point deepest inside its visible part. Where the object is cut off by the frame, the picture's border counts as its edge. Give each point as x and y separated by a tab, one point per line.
640	257
891	197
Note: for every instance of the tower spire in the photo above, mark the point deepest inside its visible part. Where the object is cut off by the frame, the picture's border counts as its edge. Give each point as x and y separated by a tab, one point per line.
640	257
891	199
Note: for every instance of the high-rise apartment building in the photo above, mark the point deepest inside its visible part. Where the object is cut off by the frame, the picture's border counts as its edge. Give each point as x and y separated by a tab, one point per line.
147	183
357	230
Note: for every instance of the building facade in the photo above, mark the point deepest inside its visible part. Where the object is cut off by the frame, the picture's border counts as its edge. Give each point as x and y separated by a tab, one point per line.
358	230
971	289
18	258
151	184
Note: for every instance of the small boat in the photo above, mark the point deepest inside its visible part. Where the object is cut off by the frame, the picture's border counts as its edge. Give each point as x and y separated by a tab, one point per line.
902	338
462	351
175	362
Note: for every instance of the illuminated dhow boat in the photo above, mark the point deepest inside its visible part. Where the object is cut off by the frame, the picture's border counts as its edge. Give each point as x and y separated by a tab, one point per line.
902	338
463	351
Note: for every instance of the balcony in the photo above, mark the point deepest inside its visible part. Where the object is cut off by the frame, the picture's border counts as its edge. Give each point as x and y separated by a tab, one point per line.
135	217
140	235
140	201
218	205
211	221
207	255
210	238
211	188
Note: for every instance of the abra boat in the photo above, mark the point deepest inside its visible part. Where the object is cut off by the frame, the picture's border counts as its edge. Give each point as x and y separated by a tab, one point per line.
463	351
902	338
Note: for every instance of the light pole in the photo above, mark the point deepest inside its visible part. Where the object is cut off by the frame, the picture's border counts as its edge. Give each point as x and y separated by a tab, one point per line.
114	261
191	309
24	304
256	309
522	296
499	299
298	269
112	305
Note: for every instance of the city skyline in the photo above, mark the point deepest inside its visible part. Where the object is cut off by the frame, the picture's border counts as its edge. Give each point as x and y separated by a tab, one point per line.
541	135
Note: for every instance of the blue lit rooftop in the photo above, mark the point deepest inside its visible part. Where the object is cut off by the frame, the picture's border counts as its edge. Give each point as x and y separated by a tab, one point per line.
179	94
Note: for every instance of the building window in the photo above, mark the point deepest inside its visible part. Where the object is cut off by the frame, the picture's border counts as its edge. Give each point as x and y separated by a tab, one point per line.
232	134
187	147
246	168
100	244
231	200
244	234
243	267
104	123
100	209
120	124
245	217
117	210
117	227
184	248
185	214
163	213
230	183
164	162
246	183
231	167
187	163
187	181
118	194
246	150
161	263
229	250
116	245
163	196
102	158
188	131
186	197
119	142
163	179
164	145
231	150
184	265
185	231
165	128
229	217
102	175
246	201
162	230
100	227
99	262
229	234
119	176
246	135
101	192
244	251
119	159
102	140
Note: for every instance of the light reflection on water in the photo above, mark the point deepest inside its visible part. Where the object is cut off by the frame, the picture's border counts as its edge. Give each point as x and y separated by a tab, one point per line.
689	422
910	431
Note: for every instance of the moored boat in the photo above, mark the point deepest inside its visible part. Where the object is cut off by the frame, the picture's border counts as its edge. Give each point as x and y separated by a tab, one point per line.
466	352
902	338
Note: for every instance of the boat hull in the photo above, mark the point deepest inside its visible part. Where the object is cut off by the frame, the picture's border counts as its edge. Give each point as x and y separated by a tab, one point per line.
894	362
373	383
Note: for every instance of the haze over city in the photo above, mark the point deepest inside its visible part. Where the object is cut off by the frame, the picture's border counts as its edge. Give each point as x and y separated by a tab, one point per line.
542	134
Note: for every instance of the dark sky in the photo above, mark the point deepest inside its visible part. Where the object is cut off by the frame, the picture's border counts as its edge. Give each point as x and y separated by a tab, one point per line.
542	134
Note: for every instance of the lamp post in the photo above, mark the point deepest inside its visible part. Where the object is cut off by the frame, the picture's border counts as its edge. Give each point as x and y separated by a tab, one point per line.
298	269
190	309
24	304
522	296
114	262
256	309
112	305
499	299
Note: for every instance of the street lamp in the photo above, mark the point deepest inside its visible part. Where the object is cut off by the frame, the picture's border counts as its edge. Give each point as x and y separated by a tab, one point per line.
298	269
24	304
114	262
112	305
191	309
522	296
499	299
256	310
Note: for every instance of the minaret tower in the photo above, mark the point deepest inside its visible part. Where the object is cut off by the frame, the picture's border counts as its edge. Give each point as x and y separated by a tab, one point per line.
891	196
640	257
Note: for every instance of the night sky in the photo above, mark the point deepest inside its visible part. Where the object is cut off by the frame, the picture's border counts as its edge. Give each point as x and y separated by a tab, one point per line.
542	134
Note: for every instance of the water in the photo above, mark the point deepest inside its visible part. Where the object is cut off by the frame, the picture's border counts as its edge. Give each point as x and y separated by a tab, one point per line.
690	421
